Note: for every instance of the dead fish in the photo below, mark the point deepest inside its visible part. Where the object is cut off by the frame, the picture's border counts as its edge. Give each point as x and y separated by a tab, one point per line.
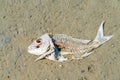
57	46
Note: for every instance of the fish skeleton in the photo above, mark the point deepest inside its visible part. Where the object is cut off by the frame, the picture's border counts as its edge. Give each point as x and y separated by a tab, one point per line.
57	46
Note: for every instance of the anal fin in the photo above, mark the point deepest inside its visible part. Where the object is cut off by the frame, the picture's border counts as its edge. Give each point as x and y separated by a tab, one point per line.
86	54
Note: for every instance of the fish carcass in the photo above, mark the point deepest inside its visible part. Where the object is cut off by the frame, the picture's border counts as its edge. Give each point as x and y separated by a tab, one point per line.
57	46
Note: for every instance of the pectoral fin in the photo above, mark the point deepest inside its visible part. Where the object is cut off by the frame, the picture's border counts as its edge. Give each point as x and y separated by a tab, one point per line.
45	54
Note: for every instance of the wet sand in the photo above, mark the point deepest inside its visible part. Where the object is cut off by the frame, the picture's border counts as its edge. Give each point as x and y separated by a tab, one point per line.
22	21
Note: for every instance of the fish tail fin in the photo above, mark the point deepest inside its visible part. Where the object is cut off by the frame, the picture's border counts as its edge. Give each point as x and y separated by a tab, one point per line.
100	38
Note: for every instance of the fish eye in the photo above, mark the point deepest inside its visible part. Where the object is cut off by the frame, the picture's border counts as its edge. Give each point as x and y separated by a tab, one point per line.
38	40
37	46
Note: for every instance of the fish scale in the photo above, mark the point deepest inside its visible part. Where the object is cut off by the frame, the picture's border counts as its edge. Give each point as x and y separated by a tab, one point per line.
75	46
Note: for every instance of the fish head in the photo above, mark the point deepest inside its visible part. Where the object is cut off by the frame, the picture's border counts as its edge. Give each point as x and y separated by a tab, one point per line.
40	45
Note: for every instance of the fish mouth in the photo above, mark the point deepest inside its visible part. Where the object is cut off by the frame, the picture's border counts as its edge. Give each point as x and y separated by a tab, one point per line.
36	50
32	51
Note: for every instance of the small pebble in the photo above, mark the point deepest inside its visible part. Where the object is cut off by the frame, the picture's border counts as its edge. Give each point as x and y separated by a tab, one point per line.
30	16
90	68
60	66
113	46
4	17
82	71
24	64
8	76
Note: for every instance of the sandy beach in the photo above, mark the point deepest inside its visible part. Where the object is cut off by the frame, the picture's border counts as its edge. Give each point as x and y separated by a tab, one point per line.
22	21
